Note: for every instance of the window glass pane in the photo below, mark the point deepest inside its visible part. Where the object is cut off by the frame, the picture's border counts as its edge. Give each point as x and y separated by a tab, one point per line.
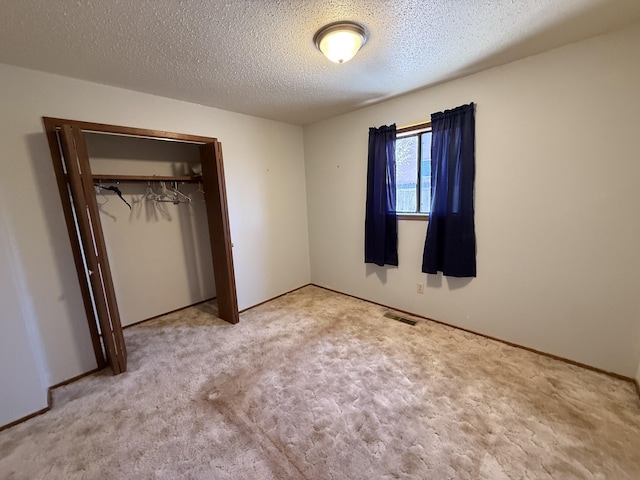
425	173
406	174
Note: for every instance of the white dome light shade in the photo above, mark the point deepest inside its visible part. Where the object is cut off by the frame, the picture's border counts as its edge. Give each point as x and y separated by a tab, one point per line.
340	41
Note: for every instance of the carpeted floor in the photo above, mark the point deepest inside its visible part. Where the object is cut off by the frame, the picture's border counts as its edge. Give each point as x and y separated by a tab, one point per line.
316	385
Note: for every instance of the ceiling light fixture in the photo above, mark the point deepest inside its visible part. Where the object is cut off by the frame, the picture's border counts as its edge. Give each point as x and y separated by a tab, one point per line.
340	41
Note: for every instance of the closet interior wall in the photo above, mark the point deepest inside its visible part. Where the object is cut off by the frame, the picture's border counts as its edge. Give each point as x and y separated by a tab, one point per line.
159	252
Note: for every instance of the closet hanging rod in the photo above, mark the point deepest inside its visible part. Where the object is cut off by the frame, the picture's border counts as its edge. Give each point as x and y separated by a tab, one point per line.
99	177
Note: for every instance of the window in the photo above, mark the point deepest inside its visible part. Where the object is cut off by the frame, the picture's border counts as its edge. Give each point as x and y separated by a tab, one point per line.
413	171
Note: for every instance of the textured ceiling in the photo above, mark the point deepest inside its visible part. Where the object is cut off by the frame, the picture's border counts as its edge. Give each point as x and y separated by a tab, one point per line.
258	57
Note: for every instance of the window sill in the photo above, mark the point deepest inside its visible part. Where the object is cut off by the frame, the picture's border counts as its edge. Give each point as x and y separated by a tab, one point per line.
413	216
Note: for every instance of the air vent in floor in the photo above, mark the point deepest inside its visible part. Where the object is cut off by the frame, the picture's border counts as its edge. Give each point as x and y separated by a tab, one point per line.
400	318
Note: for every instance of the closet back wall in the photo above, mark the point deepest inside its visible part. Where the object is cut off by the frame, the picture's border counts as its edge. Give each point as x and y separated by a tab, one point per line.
159	253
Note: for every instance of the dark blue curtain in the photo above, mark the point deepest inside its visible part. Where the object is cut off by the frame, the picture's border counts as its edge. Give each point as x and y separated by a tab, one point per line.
450	246
381	223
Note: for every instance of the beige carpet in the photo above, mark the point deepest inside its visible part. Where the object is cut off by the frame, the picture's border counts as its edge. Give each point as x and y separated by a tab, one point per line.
316	385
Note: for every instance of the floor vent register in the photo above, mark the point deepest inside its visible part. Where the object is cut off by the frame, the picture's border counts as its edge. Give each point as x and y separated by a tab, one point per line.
400	318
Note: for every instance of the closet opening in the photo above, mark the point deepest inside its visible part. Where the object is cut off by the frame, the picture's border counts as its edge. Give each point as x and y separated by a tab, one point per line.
147	217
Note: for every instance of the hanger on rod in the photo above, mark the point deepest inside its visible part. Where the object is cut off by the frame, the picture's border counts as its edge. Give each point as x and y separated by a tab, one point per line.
194	194
171	194
149	194
181	197
99	193
114	189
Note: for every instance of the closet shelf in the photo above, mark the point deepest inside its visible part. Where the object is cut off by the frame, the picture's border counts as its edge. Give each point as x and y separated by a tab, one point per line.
146	178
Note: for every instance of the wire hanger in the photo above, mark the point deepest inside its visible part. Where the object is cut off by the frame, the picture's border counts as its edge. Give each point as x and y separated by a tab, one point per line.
116	190
171	195
149	195
197	193
99	192
181	197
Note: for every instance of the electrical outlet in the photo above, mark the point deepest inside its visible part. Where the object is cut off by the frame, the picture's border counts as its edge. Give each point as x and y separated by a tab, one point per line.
420	288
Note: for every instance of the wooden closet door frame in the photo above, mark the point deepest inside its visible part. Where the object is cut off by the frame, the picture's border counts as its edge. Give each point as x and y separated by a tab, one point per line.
215	201
94	250
219	231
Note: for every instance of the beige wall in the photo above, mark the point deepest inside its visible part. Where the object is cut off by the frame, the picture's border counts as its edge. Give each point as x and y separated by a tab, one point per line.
21	384
264	170
557	224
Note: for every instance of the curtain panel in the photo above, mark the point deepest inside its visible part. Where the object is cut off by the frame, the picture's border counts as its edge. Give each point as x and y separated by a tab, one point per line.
381	222
450	246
